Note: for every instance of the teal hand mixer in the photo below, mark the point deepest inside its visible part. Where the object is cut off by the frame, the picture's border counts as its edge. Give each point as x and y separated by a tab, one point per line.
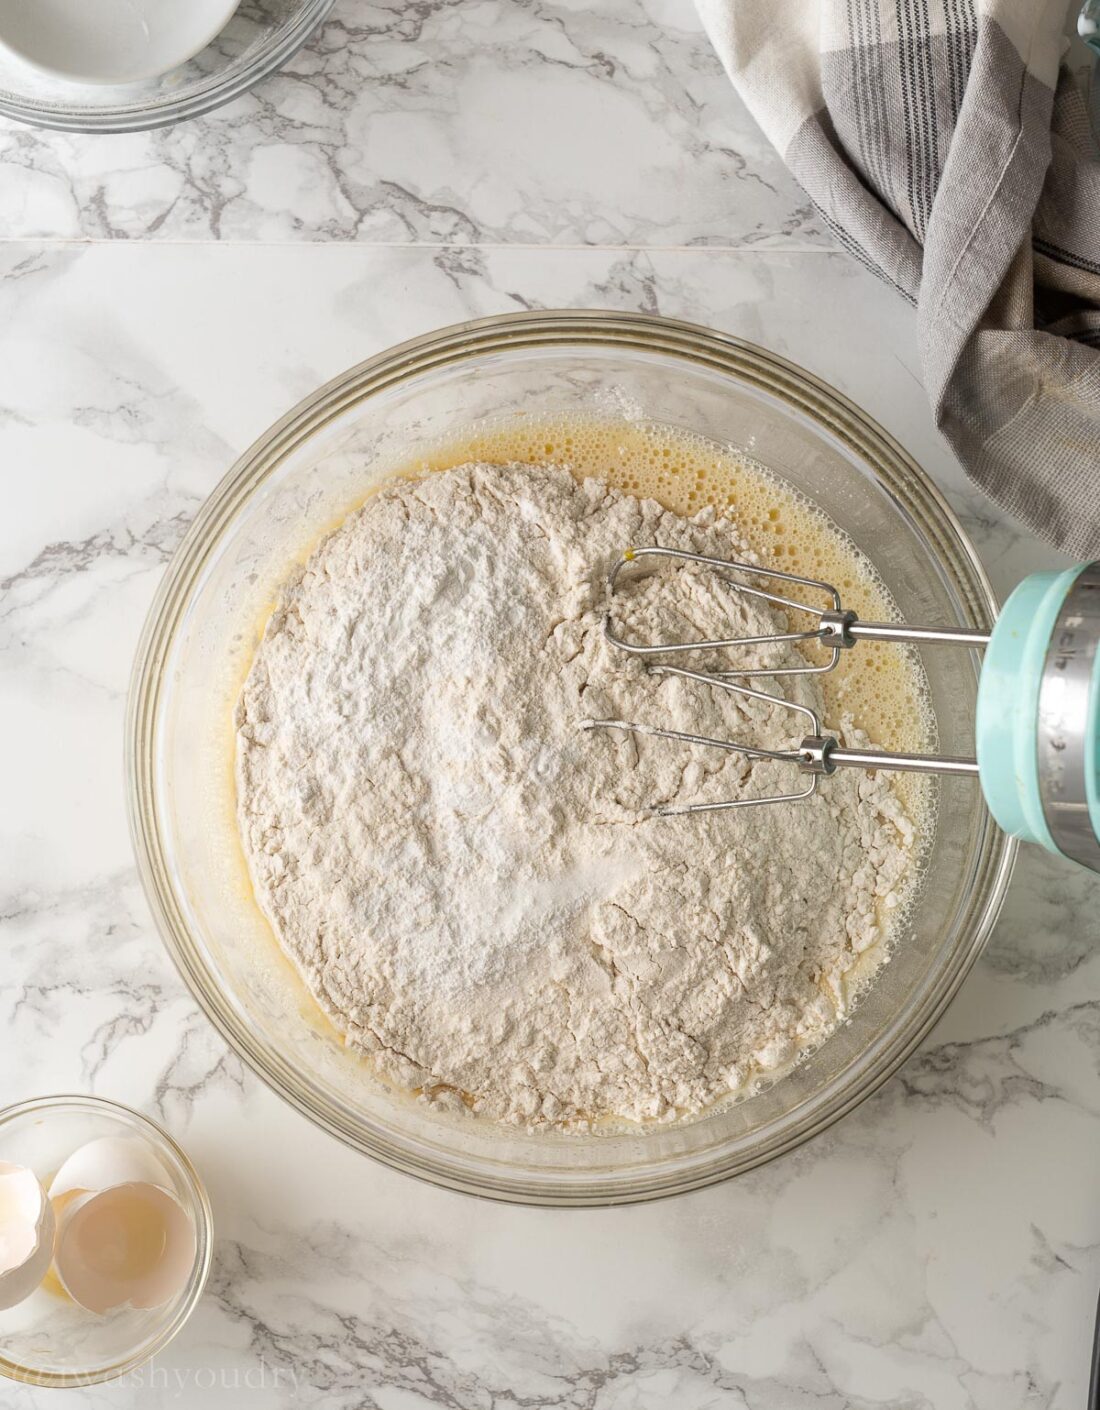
1038	716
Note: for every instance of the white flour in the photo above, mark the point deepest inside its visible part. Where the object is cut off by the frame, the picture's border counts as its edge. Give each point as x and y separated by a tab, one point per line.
466	878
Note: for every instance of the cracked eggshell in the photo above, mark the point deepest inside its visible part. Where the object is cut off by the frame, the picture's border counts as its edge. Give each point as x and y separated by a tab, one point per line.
130	1245
109	1161
26	1233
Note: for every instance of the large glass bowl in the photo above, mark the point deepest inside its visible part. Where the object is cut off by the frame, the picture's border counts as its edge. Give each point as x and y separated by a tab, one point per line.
298	480
261	36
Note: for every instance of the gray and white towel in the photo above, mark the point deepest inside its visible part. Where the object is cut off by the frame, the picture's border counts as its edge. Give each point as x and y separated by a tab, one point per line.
945	149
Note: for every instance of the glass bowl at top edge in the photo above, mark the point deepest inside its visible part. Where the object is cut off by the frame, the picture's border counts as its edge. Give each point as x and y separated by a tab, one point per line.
294	483
260	37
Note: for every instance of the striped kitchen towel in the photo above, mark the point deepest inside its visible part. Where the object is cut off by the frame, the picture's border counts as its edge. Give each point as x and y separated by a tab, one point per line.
944	148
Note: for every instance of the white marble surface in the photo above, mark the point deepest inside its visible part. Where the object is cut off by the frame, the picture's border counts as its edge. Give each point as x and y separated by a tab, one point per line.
938	1248
488	121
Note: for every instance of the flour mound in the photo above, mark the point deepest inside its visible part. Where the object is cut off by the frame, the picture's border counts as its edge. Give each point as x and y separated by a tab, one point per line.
468	880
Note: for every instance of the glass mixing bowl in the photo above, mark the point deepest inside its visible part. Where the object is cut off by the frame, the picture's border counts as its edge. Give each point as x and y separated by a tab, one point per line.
294	484
261	36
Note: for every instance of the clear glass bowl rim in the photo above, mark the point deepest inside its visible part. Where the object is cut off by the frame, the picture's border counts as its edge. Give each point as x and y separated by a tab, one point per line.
203	1233
204	97
747	363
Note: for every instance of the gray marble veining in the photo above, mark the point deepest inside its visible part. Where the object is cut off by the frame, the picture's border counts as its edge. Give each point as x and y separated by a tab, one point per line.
443	123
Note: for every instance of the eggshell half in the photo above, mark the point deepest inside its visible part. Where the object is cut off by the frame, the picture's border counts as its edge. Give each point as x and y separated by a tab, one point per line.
110	1160
132	1244
26	1233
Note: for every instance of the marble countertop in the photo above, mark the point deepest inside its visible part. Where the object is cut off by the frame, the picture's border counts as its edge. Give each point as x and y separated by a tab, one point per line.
163	298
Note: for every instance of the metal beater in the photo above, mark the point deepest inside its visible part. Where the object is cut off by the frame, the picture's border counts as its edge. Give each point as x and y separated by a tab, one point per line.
1038	714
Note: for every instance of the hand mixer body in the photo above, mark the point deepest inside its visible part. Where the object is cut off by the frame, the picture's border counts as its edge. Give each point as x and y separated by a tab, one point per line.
1038	716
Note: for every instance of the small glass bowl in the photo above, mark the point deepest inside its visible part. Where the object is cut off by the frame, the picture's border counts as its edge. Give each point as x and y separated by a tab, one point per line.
299	480
260	38
47	1340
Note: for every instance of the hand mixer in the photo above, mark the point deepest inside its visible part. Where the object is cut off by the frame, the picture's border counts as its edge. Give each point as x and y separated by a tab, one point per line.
1038	716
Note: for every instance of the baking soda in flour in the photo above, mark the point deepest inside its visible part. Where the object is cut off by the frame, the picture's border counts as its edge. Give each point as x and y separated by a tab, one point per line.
467	880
